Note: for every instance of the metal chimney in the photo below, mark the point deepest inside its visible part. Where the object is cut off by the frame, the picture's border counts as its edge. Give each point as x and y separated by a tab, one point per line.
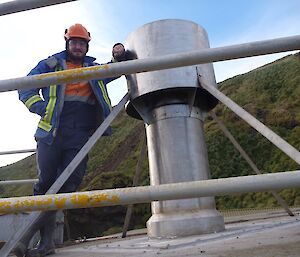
173	107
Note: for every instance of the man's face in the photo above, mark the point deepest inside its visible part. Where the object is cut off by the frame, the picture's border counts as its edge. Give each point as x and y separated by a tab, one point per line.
77	48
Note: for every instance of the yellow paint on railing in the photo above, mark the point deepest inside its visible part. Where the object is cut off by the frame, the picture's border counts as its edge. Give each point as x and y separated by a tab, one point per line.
79	199
47	202
32	203
96	199
6	205
66	76
60	202
115	199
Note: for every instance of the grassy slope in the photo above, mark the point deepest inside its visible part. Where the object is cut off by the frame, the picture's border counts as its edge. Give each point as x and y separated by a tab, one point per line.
270	93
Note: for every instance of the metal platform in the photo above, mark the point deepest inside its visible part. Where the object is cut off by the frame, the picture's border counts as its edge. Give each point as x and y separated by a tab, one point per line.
269	233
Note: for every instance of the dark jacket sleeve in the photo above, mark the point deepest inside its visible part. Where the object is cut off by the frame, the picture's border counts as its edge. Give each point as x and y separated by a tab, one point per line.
31	97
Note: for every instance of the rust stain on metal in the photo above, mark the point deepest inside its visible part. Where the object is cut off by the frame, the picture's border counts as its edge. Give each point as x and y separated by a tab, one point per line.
66	76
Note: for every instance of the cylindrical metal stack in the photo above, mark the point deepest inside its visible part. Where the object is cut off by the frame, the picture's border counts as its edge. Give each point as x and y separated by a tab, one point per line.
173	106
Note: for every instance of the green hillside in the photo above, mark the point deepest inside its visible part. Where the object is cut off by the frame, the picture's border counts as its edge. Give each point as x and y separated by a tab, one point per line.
271	93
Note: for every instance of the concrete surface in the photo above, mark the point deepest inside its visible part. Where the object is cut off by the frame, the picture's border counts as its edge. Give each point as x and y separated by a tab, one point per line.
267	234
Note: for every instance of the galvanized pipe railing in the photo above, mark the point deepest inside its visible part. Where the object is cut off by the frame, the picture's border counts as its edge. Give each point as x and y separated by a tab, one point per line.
25	5
18	182
145	194
154	63
18	151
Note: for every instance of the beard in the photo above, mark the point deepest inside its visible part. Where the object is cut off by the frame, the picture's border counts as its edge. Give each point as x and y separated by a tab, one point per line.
75	57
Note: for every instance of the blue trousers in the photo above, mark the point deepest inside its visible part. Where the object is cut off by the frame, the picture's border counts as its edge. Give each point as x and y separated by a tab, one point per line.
53	159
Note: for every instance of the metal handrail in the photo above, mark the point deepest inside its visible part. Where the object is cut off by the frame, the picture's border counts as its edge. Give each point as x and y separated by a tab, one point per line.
25	5
145	194
155	63
17	151
17	182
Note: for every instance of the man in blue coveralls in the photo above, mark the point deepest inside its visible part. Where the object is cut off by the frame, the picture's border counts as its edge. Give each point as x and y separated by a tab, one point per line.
69	114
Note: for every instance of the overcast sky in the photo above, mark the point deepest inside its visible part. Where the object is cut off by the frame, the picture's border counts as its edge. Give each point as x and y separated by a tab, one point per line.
30	36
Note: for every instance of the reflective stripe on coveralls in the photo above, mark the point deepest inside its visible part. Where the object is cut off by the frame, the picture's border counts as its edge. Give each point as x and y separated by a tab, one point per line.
104	93
45	122
32	100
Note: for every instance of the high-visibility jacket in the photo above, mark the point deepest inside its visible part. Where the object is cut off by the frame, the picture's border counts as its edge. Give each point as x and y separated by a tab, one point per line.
50	103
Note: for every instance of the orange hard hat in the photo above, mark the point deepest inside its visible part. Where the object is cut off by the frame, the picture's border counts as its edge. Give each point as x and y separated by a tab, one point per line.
77	30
